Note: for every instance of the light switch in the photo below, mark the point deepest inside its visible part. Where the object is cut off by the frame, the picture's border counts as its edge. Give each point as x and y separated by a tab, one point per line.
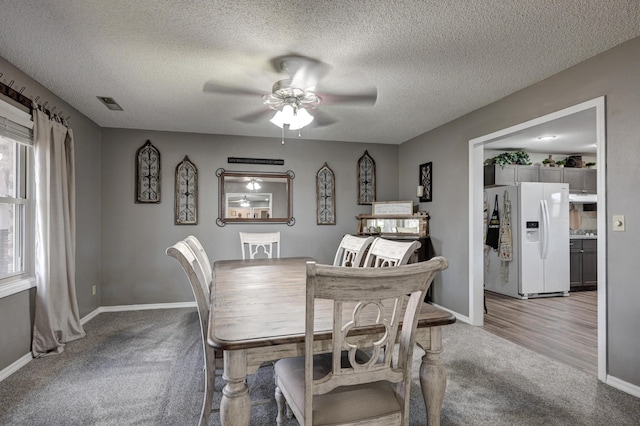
618	222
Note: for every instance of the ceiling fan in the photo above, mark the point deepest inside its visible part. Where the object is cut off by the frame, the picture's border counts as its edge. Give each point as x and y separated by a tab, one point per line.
295	98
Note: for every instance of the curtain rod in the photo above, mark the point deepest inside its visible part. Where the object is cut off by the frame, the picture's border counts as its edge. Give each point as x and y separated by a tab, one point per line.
17	96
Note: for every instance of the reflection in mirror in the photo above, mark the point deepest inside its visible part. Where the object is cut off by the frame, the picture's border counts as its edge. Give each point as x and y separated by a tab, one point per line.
249	205
256	197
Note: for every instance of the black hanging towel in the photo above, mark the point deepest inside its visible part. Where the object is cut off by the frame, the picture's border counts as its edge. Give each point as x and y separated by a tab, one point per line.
493	231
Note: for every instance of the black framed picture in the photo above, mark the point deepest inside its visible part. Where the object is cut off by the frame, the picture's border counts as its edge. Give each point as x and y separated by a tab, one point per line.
425	181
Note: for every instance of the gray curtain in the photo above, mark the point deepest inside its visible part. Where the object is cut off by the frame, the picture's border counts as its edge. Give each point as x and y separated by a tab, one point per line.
57	319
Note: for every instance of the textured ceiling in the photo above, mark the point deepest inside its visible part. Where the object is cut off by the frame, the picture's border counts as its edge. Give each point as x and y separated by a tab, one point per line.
431	61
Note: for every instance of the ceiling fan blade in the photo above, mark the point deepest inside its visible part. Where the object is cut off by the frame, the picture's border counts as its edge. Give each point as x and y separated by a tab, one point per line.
309	75
367	98
303	71
321	119
256	116
214	87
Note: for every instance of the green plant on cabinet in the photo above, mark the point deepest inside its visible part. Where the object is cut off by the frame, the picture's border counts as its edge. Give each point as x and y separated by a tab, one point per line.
512	157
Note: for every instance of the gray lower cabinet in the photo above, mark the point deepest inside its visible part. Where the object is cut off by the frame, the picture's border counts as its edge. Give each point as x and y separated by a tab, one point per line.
583	264
575	264
589	263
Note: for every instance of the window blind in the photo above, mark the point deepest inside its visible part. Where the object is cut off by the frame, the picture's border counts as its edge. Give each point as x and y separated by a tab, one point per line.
15	124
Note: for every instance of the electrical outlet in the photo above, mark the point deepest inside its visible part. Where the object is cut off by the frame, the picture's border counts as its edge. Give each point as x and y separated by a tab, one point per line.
618	222
93	290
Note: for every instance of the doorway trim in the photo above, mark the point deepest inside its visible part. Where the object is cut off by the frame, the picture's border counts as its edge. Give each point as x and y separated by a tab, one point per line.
476	185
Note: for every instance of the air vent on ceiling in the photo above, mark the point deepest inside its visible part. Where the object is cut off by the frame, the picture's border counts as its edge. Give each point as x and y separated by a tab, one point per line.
110	103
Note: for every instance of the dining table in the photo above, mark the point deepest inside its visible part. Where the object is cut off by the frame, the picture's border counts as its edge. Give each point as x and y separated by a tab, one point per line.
257	316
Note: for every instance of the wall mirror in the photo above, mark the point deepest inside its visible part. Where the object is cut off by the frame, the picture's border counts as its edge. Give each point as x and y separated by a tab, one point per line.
255	197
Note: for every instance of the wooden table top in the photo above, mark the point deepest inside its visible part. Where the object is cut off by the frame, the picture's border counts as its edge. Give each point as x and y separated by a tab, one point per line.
258	303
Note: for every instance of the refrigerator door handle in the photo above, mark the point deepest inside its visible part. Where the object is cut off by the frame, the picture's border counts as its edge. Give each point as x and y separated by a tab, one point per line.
545	228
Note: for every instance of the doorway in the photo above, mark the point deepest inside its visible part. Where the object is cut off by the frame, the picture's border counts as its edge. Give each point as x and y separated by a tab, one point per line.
476	198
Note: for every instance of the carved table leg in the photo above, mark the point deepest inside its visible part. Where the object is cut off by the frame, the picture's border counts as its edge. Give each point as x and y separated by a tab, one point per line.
433	378
235	407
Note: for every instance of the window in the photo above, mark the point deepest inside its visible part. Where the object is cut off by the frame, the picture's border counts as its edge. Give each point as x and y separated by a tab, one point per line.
13	207
16	209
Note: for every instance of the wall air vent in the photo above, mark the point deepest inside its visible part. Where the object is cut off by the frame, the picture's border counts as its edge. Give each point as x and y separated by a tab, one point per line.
110	103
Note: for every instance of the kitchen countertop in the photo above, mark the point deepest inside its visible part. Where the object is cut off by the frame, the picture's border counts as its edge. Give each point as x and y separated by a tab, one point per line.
583	237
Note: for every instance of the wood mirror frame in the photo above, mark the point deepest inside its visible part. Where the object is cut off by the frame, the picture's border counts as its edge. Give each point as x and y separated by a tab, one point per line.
270	202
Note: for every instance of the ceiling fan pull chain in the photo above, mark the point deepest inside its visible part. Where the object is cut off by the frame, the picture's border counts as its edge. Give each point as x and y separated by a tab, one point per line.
282	135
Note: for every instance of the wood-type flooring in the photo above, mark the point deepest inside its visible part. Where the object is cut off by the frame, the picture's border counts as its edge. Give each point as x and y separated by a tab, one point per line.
562	328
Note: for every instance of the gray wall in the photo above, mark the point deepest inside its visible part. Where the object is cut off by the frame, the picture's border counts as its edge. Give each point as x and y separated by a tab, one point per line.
16	323
613	74
16	311
134	236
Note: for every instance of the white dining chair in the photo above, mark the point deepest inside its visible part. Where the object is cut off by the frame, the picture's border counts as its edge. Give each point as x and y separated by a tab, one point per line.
390	253
262	244
351	250
202	257
183	253
342	387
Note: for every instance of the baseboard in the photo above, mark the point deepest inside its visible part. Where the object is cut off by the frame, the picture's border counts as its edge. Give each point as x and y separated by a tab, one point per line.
85	319
458	316
24	360
122	308
17	365
623	386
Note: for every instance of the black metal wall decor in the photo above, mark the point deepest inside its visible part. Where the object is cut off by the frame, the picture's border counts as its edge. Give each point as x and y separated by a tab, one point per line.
425	180
325	196
366	179
186	205
147	174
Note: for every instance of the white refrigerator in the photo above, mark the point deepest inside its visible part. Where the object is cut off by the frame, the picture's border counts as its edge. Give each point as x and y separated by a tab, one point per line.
540	241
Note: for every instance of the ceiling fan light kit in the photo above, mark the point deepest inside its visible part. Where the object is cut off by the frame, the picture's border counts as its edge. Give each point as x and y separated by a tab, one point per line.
296	118
253	185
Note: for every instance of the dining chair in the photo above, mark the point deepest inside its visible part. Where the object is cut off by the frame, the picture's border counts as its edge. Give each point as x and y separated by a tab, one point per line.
262	244
183	253
342	387
390	253
201	255
351	250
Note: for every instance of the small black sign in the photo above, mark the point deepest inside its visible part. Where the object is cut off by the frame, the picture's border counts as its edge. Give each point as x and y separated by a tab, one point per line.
267	161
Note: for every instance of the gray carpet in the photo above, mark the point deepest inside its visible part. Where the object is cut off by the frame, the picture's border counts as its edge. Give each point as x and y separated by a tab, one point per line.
145	368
